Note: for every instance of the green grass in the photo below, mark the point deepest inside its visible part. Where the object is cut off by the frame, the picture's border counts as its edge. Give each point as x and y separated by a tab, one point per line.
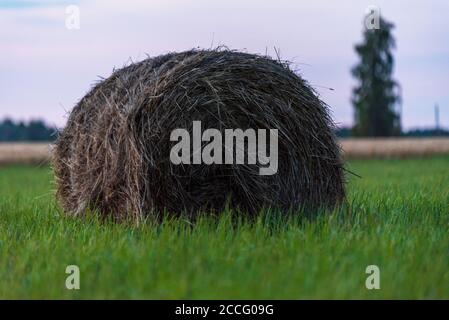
397	218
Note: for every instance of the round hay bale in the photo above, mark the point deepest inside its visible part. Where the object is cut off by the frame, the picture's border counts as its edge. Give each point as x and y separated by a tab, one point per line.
114	154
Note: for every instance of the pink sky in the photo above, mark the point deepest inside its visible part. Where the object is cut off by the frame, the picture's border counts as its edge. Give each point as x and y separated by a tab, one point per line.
45	68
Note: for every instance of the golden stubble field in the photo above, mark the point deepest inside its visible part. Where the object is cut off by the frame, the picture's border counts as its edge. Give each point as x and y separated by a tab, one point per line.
354	148
25	153
366	148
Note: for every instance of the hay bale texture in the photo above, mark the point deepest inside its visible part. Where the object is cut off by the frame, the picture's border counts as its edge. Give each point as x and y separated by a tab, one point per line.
114	154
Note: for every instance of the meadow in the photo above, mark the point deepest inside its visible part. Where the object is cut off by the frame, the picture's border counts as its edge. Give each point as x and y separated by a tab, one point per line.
396	217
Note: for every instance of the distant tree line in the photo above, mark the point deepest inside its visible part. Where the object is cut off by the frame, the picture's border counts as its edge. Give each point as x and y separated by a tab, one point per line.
347	132
34	130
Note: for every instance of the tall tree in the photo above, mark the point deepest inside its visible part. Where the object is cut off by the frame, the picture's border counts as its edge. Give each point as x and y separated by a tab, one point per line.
376	97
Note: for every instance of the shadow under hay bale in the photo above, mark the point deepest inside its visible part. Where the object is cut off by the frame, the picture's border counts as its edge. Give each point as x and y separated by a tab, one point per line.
114	154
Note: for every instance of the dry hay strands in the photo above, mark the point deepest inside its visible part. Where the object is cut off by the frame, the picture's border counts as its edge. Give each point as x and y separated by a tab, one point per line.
114	154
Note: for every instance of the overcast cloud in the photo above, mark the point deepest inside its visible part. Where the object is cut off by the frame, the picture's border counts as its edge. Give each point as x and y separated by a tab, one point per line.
45	68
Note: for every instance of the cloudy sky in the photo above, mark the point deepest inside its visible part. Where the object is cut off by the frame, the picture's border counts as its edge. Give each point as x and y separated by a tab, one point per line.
45	68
